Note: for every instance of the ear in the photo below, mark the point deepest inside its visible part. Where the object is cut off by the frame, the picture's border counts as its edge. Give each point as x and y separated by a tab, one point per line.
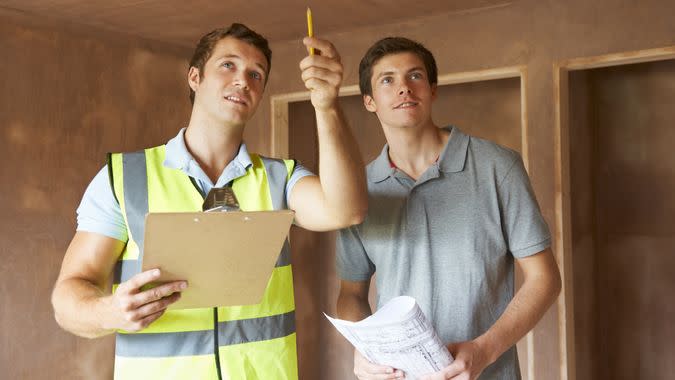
434	87
193	78
369	103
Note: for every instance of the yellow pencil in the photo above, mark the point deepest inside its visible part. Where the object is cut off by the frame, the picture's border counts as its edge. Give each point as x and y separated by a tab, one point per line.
310	29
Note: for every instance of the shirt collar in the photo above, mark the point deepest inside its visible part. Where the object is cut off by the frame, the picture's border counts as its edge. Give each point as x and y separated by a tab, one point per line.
453	156
451	160
178	157
380	169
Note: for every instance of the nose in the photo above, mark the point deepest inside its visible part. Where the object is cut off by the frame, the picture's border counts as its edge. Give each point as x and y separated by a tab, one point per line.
404	89
241	80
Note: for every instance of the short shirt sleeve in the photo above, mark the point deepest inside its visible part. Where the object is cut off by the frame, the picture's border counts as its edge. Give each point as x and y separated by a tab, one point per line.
352	261
299	172
525	229
99	211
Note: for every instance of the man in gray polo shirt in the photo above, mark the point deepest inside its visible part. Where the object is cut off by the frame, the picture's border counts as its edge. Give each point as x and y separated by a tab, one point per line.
448	216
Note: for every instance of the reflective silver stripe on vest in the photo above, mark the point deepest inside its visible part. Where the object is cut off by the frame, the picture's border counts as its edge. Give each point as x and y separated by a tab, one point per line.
136	194
276	179
136	206
201	342
285	255
125	269
256	329
165	344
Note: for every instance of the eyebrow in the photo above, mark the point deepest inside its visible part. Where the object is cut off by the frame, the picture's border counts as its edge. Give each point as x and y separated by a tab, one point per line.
239	58
416	68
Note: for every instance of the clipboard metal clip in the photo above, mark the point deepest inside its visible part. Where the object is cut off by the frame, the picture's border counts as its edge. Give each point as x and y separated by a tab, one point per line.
221	199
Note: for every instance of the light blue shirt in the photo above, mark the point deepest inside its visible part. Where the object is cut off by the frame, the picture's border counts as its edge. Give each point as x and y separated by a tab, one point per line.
99	212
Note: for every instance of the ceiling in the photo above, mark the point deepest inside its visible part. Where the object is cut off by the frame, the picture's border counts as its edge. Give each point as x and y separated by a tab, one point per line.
182	22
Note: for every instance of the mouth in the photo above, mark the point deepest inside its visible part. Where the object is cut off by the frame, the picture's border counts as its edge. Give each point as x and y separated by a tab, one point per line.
236	99
406	104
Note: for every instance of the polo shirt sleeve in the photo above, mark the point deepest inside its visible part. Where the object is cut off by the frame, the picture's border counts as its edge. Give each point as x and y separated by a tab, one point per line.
525	229
352	261
299	172
99	211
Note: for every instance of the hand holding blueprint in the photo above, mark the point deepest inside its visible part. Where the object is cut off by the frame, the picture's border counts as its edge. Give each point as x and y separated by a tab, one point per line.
398	335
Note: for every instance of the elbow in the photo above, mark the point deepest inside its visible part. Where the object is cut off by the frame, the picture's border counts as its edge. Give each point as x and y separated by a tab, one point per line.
356	216
355	212
61	316
58	312
553	285
55	307
60	321
359	215
359	211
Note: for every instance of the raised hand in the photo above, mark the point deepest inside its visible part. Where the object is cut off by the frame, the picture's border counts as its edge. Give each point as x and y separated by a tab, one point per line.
322	73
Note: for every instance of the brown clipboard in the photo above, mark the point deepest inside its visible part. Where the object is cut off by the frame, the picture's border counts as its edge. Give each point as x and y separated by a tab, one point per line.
226	257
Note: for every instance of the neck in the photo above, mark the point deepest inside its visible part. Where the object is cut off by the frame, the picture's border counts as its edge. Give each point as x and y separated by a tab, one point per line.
212	144
413	150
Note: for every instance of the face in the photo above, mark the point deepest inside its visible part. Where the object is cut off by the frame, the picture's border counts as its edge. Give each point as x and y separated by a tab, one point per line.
231	86
402	95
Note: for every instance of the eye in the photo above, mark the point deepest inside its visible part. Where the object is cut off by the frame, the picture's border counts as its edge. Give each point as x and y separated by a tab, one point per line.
416	76
228	65
256	75
386	80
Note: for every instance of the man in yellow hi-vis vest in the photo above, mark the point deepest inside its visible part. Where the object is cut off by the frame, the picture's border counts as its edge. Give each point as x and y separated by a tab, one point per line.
227	77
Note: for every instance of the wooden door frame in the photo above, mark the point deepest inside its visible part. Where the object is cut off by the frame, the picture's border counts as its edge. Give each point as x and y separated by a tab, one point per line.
563	222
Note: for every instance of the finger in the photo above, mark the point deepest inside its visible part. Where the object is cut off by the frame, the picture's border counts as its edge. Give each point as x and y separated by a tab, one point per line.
313	84
327	48
436	376
365	369
154	307
388	376
132	285
379	371
159	292
319	61
454	369
361	373
329	77
145	322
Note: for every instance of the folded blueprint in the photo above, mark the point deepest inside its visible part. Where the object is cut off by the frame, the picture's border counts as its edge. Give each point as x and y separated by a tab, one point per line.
398	335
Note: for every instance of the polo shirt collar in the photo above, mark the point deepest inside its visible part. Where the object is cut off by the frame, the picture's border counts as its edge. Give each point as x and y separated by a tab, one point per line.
451	160
453	156
381	168
178	157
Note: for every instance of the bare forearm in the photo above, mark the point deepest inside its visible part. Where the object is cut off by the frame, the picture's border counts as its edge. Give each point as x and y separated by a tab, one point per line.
79	308
521	315
341	168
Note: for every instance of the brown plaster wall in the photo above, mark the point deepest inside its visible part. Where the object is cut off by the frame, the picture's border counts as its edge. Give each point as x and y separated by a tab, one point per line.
67	97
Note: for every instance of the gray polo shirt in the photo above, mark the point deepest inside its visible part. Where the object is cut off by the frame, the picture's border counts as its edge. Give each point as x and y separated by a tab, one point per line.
450	238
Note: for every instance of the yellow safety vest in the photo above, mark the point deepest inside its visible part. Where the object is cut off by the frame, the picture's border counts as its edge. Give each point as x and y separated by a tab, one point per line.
242	342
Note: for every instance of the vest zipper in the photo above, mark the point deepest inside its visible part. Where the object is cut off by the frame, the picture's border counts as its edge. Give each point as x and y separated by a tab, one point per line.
215	343
216	351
